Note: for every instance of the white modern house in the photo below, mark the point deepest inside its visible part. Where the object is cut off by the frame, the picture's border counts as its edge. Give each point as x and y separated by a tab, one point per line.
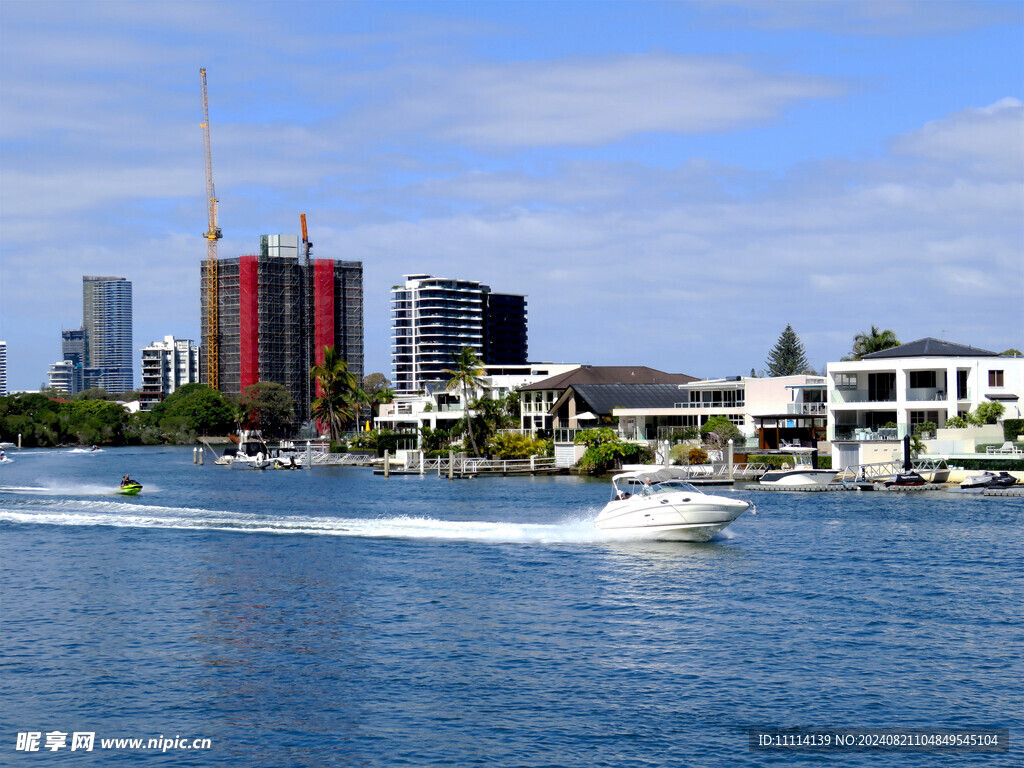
772	412
167	365
877	400
439	408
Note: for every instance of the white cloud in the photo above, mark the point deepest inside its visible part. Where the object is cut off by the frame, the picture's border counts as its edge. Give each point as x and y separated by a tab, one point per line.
989	140
601	100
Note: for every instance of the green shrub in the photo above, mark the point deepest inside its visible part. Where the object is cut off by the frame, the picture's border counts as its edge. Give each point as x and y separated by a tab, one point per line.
599	458
697	456
595	437
1012	428
989	413
956	422
993	465
773	461
511	445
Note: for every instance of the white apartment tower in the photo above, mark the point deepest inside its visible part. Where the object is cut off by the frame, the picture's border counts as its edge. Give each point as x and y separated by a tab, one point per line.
434	318
3	368
167	365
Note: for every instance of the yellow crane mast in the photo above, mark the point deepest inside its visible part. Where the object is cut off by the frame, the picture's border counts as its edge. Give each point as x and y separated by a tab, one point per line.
211	320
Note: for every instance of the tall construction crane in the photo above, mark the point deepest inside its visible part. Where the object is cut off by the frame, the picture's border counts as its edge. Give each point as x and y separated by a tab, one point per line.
307	246
211	319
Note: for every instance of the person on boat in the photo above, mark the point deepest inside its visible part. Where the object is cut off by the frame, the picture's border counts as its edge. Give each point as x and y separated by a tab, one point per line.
126	481
647	487
95	448
3	455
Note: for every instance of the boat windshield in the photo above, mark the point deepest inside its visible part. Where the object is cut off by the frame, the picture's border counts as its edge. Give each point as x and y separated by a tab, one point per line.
674	486
626	487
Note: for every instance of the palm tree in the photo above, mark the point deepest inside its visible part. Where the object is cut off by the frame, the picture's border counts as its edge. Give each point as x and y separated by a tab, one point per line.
361	397
873	341
335	388
381	396
466	373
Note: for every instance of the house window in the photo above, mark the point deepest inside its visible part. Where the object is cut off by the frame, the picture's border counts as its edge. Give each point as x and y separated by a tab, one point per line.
846	380
995	378
922	379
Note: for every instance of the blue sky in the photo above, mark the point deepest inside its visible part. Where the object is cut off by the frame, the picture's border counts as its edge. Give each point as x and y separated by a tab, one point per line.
669	183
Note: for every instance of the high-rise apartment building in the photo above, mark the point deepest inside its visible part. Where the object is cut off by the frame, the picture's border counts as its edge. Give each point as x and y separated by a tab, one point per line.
276	313
107	320
75	350
433	318
167	365
3	368
61	376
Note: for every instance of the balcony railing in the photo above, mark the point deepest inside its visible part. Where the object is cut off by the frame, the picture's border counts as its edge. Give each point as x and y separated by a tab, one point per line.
863	396
869	434
807	409
926	394
713	404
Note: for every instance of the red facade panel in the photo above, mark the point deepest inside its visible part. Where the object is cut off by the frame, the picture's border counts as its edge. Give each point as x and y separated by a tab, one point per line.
323	306
248	320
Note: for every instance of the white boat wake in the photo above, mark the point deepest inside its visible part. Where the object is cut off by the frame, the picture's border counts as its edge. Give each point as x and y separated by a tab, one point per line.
125	515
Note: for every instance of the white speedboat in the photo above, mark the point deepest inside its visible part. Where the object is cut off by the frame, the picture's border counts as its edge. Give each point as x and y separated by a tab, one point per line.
658	505
801	473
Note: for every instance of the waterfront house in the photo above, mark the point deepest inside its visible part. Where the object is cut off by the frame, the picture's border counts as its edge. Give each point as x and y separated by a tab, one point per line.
544	406
436	407
877	400
771	412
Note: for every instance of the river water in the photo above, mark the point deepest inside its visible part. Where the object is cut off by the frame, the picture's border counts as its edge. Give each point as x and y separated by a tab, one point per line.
336	618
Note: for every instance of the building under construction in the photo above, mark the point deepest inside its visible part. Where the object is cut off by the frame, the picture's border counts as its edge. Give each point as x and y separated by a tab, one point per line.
276	311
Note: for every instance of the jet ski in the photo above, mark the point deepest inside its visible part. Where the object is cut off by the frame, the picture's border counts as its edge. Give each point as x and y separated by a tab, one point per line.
130	488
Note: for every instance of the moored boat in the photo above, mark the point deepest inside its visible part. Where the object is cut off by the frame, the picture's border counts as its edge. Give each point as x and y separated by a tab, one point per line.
906	480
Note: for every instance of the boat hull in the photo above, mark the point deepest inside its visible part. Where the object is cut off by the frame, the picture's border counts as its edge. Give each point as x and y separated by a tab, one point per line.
679	517
798	477
130	490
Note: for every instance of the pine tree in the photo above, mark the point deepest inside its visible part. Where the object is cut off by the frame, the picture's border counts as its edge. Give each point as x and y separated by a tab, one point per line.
787	357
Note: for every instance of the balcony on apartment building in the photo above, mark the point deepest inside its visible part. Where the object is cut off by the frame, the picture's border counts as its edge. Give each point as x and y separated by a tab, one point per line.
807	409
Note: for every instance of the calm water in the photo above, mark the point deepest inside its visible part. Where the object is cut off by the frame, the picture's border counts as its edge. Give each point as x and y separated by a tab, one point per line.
334	618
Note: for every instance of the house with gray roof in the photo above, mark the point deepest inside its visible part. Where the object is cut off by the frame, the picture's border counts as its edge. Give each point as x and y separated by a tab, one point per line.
877	400
548	404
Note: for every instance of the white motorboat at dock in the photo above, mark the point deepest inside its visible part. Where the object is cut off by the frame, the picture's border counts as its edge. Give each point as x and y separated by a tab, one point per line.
803	471
656	504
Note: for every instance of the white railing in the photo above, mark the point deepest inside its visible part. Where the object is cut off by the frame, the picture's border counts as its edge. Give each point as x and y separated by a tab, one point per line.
885	470
809	409
462	465
341	459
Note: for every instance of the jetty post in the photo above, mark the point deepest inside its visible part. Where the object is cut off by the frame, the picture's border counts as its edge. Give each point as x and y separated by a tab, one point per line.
423	462
730	450
387	463
202	453
451	465
195	455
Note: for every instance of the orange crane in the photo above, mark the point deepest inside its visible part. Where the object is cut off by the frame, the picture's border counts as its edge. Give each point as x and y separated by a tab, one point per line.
211	319
307	246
